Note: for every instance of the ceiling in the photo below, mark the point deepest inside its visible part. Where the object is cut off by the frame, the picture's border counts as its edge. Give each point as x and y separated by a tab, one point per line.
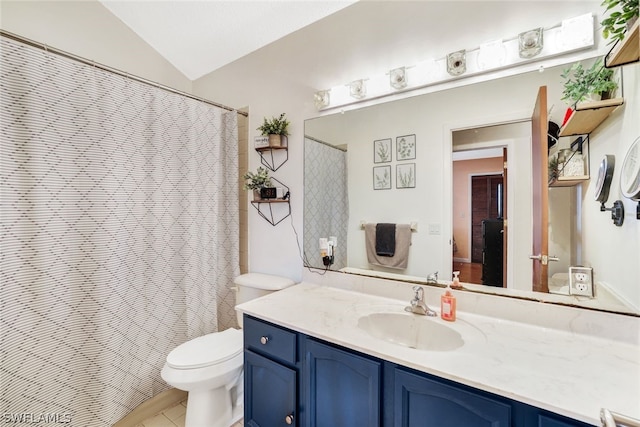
198	37
321	44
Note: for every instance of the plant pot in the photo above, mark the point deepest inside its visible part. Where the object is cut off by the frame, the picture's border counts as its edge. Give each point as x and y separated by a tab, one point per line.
589	98
277	140
256	195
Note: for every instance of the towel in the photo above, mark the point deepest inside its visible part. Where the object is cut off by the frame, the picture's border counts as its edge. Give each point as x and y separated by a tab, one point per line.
385	239
400	258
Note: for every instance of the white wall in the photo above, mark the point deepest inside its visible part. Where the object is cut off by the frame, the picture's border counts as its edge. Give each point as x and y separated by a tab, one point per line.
87	29
614	252
268	91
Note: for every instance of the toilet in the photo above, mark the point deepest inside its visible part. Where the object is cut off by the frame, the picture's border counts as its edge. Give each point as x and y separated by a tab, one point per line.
209	367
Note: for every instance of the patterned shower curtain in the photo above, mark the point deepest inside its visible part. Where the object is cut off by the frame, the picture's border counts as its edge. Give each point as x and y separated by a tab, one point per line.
326	200
119	236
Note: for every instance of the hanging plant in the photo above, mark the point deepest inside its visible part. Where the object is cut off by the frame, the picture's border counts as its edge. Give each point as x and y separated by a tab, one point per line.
581	82
616	24
258	180
275	126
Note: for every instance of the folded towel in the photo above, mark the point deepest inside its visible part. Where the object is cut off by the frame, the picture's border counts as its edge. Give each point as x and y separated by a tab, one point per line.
402	239
385	239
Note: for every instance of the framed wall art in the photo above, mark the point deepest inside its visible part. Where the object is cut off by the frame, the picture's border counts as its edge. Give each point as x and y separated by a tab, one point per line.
382	178
406	147
406	175
382	151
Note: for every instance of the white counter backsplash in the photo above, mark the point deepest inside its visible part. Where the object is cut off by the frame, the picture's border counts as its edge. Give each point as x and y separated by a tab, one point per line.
566	360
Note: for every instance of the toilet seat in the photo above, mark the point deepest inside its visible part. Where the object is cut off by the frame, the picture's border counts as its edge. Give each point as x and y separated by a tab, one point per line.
207	350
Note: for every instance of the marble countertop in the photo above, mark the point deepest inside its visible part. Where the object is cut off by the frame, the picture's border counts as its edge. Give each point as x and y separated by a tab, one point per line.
558	370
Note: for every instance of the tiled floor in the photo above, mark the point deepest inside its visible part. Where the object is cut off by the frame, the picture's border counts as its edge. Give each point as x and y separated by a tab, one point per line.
172	417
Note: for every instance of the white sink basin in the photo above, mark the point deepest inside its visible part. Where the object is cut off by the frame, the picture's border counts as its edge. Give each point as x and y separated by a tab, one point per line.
411	330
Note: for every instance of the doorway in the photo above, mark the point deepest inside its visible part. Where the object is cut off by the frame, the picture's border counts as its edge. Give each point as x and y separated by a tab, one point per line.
486	203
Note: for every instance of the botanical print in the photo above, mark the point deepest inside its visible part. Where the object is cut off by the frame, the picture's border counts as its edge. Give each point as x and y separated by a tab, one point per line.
406	175
382	151
406	147
382	178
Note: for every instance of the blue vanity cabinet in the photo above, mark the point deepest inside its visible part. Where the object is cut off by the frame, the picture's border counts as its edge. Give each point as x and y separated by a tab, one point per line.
342	388
536	417
270	375
292	379
420	400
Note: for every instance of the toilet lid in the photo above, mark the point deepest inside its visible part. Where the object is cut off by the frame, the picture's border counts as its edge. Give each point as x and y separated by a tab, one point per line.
206	350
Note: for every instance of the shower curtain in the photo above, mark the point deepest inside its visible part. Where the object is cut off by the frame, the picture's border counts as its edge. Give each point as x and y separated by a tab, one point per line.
119	235
326	200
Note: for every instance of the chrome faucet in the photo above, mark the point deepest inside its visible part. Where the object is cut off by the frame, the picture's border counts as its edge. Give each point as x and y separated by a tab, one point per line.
418	306
432	278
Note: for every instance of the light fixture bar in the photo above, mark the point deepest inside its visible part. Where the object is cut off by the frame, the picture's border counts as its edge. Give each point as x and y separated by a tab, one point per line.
570	36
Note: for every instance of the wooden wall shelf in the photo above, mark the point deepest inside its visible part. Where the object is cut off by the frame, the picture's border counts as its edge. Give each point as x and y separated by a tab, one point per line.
626	51
588	116
568	181
270	159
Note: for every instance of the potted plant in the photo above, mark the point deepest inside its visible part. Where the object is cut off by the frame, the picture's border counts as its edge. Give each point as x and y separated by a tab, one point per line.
256	181
277	129
592	84
619	21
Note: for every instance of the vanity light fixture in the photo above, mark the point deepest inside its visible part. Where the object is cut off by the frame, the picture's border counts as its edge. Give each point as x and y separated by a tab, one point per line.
572	35
322	99
457	62
398	78
357	89
530	43
574	32
491	55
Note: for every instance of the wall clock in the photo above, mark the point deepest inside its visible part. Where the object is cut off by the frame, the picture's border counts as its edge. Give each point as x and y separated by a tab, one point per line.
630	172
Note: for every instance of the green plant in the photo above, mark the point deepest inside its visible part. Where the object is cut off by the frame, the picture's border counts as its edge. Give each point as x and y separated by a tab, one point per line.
275	126
615	25
258	180
580	81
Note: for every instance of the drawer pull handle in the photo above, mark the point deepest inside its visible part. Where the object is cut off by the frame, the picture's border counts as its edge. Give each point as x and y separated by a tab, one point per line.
264	340
288	419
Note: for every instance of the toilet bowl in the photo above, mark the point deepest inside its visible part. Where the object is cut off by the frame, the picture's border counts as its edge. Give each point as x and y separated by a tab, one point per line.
209	367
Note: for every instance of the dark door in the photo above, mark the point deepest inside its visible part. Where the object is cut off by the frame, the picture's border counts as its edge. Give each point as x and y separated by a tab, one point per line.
484	205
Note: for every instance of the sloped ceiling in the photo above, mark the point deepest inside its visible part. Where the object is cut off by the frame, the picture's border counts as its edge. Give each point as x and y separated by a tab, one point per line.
198	37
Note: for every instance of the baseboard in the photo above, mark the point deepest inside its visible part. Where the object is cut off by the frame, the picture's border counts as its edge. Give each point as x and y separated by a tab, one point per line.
465	260
152	407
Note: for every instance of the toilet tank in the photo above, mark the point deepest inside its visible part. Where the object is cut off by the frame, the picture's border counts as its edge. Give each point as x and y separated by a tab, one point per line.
254	285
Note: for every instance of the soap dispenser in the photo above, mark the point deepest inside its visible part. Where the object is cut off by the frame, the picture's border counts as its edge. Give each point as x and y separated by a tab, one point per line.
448	305
456	281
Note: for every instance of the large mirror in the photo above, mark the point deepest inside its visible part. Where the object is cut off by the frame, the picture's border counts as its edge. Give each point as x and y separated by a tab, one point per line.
434	163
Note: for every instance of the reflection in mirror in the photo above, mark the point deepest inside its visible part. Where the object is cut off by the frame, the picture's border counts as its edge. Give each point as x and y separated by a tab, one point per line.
341	191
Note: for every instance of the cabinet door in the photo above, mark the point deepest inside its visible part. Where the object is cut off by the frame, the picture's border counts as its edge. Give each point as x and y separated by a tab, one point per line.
270	392
343	388
420	401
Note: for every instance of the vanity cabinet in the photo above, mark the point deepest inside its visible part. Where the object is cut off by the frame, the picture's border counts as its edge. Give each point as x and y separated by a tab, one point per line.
419	400
270	375
294	379
342	388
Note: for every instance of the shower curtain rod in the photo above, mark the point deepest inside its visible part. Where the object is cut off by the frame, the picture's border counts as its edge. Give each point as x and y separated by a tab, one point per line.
325	143
68	55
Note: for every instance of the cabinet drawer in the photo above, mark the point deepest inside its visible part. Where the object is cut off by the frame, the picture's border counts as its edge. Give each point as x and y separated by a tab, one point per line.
270	340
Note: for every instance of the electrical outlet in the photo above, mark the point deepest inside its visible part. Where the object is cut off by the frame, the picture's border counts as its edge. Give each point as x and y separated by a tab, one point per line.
581	281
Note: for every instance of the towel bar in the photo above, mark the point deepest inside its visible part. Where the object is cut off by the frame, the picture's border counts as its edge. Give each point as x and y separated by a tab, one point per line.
613	419
414	225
